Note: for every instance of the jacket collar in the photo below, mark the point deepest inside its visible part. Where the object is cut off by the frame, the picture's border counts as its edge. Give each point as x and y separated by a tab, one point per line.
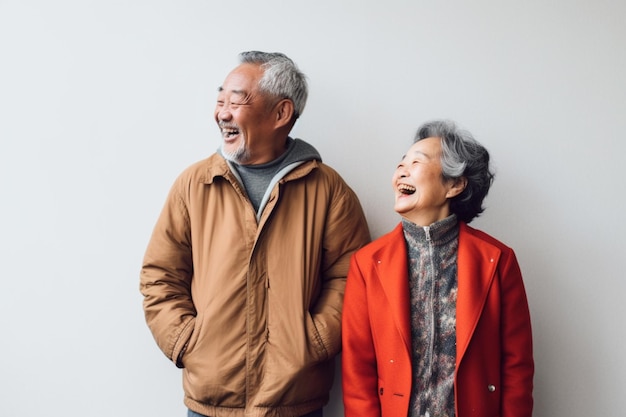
477	261
217	166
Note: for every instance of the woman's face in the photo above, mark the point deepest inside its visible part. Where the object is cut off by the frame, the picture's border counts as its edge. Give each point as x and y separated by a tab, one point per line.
421	195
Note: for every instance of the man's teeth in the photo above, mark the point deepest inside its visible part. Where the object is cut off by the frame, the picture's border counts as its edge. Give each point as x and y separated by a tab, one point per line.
229	132
406	189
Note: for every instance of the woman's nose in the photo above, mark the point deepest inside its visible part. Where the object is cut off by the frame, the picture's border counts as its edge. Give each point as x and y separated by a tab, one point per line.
401	172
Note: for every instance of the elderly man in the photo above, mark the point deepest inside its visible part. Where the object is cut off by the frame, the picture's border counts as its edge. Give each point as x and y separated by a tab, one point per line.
243	278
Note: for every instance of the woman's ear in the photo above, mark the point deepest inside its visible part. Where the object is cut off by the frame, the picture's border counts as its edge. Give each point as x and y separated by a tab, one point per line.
284	112
458	185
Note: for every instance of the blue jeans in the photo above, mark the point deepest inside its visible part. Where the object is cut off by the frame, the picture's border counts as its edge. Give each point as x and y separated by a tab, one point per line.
316	413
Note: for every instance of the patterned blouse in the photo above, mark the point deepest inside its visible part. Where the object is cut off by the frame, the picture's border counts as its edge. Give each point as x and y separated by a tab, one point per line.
432	253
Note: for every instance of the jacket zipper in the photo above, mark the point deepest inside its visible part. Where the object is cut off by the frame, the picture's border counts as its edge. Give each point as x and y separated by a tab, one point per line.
431	344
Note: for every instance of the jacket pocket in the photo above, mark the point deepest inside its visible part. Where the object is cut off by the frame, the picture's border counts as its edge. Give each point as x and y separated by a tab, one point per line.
191	341
319	351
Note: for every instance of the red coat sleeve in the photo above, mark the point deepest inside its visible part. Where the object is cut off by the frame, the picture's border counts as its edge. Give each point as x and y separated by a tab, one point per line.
516	342
359	375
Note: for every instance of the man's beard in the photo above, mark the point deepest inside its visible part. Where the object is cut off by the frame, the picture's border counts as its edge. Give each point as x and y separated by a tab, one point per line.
239	156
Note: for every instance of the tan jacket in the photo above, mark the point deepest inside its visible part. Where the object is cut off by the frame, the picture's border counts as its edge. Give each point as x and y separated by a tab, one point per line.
252	310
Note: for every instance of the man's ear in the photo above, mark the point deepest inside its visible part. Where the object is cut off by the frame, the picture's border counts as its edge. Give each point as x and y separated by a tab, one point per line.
284	112
457	187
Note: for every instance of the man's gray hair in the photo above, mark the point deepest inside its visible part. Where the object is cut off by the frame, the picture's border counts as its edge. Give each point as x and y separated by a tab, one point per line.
281	77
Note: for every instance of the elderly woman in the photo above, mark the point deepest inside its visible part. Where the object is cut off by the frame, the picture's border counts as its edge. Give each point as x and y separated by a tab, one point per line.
435	317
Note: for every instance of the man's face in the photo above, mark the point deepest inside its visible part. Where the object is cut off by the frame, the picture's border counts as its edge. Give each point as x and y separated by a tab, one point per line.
244	117
421	195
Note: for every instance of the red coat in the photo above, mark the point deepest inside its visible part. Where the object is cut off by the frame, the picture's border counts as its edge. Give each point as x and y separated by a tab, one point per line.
494	361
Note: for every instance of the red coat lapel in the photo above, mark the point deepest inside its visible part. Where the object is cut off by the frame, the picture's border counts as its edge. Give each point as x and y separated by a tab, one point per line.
392	271
476	262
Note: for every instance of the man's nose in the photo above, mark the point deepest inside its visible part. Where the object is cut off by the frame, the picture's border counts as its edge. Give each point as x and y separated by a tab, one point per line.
223	113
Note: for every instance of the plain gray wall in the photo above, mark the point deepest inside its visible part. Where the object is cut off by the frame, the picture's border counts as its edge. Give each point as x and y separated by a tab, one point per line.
103	103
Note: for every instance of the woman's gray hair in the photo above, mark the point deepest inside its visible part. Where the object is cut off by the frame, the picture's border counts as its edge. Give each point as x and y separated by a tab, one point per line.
462	156
281	77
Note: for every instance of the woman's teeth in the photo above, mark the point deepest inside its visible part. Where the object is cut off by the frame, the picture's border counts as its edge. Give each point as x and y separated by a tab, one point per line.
406	189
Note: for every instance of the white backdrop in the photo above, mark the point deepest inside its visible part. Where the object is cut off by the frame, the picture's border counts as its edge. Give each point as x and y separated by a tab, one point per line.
103	103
